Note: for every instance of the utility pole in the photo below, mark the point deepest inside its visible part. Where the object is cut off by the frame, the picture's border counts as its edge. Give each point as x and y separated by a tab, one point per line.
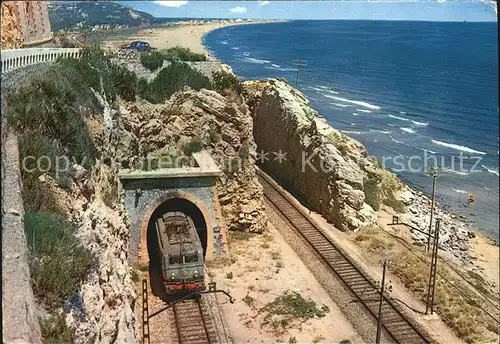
434	182
298	63
379	323
431	288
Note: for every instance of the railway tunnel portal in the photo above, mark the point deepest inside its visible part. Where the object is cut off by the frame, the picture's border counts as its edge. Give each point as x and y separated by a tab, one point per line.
190	190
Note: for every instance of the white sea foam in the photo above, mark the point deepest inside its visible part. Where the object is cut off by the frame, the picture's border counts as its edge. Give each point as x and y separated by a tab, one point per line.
224	42
408	130
393	139
357	102
458	147
460	191
315	88
427	150
341	105
400	118
380	131
323	87
491	170
402	112
449	170
422	124
246	53
351	132
361	110
353	124
252	60
235	48
355	114
275	65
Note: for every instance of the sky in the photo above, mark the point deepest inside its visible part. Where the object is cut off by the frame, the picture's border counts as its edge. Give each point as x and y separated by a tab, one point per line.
440	10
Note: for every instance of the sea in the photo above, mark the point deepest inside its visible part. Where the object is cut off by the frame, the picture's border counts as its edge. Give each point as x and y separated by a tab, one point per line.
416	94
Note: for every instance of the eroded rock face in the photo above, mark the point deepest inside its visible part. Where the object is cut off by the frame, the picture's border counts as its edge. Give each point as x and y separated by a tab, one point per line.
326	166
225	129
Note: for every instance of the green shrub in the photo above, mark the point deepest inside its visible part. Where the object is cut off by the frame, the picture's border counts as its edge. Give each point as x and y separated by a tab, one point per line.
55	330
244	151
59	264
391	201
36	195
292	304
194	146
223	81
174	78
153	60
50	105
124	81
371	193
182	54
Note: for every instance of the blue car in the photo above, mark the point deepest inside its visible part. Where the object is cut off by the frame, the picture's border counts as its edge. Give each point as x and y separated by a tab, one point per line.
139	46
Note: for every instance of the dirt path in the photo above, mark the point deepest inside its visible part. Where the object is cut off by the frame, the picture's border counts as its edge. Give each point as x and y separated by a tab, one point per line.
262	268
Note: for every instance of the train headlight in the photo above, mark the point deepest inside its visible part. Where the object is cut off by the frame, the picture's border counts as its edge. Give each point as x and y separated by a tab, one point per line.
172	276
196	274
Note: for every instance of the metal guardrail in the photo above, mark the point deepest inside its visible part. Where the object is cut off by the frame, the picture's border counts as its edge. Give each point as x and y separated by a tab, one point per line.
13	59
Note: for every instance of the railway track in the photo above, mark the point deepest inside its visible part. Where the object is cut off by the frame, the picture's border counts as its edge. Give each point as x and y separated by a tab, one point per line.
397	327
192	323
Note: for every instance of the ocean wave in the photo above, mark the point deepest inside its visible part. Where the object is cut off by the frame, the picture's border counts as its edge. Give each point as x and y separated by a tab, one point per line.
422	124
355	114
340	105
394	140
449	170
460	191
491	170
357	102
402	112
380	131
353	124
352	132
408	130
315	88
458	147
224	42
400	118
427	150
361	110
235	48
323	87
275	65
246	53
391	125
252	60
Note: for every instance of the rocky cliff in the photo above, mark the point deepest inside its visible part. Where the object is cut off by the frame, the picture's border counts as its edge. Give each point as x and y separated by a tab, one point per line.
325	166
222	126
11	29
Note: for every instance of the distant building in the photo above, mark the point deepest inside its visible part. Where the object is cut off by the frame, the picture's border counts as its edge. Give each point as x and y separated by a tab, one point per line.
24	23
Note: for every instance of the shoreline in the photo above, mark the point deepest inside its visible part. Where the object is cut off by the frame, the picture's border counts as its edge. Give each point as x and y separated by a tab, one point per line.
190	36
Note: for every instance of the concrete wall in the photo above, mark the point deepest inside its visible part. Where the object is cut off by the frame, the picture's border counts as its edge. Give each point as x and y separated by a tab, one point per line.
20	324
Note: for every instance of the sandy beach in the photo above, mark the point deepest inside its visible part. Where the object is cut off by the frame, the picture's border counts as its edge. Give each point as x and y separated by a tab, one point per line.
186	36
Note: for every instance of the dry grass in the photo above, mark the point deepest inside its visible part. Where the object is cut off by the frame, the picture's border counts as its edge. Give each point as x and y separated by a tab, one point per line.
460	313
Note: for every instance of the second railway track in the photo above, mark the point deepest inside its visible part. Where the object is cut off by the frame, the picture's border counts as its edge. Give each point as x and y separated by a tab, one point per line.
396	325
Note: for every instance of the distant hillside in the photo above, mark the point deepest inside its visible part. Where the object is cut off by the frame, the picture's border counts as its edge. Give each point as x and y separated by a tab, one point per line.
73	15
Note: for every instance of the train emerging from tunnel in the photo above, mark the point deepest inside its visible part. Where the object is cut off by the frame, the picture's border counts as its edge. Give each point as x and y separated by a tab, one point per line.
181	254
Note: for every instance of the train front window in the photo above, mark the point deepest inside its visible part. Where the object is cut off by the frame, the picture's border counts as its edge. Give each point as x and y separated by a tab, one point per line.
191	258
175	260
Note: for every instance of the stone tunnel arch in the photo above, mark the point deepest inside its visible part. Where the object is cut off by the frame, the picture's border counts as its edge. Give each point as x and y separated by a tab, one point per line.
184	202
